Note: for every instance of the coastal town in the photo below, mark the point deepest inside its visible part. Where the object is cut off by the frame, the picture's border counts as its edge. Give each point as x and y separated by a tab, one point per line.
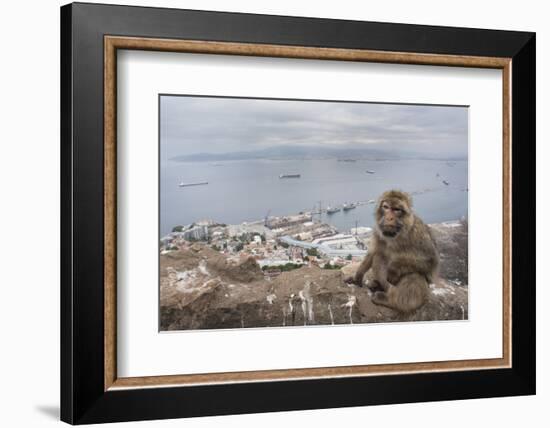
278	244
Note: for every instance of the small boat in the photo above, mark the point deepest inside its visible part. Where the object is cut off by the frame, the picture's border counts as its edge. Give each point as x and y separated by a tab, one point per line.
369	171
289	176
347	207
445	182
347	160
332	210
201	183
371	201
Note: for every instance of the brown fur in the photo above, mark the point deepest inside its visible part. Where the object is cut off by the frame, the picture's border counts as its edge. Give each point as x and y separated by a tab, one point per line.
402	256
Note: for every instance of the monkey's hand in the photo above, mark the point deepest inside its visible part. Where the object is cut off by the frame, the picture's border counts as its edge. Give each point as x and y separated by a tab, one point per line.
349	280
357	279
374	285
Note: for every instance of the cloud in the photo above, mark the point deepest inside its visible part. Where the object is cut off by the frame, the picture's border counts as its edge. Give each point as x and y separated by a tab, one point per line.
192	125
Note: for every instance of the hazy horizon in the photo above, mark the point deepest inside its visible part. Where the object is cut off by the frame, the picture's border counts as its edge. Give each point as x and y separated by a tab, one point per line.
212	128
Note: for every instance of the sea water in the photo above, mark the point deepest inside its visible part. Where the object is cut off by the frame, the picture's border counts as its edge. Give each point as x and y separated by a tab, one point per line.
250	190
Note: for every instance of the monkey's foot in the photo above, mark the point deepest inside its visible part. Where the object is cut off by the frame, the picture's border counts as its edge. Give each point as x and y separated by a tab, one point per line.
380	298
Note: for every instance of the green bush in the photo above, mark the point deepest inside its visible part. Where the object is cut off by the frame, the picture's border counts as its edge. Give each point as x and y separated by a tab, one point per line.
312	252
289	266
328	266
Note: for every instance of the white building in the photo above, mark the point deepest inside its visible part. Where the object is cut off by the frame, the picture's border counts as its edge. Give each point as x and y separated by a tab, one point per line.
197	233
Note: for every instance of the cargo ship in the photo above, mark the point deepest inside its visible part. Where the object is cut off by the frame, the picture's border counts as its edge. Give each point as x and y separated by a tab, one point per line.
289	176
332	210
201	183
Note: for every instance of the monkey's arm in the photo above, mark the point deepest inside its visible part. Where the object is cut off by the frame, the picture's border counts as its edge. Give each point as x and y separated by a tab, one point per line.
380	272
365	265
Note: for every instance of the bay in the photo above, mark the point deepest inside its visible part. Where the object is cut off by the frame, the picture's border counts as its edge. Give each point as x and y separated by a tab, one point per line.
249	190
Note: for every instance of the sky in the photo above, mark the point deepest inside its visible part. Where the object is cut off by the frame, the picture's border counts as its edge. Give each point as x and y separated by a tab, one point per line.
192	125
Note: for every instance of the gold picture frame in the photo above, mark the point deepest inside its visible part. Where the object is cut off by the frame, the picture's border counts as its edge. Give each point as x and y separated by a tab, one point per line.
114	43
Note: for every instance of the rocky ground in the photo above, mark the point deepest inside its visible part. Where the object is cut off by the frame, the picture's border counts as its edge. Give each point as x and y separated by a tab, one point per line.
201	289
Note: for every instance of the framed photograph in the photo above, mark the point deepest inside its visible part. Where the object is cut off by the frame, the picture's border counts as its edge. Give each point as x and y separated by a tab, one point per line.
266	213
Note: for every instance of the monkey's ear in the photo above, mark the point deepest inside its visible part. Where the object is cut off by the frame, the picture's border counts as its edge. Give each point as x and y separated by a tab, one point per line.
409	200
404	196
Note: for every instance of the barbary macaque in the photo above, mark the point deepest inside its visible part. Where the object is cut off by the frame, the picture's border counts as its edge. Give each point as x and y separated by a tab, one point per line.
403	257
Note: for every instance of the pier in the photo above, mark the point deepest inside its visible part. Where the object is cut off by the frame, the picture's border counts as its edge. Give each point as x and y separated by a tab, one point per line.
323	248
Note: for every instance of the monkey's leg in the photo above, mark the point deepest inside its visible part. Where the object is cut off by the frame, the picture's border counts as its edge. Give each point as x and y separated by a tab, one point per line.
408	295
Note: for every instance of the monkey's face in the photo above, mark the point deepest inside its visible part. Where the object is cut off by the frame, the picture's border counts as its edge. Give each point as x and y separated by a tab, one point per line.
391	216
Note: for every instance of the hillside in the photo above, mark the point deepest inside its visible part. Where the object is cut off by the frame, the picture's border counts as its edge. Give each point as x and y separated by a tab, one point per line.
202	289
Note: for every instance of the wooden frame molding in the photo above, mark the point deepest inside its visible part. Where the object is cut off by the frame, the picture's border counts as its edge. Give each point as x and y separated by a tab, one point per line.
113	43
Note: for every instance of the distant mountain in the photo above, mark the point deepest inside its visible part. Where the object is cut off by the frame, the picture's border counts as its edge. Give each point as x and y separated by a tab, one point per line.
315	152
